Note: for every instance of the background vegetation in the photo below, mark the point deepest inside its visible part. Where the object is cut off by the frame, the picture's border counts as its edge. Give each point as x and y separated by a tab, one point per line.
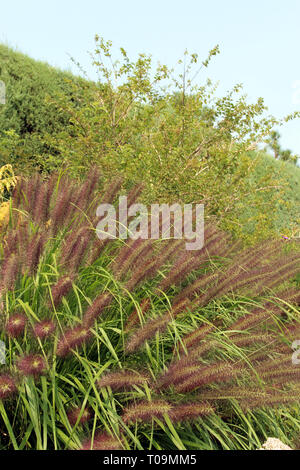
156	126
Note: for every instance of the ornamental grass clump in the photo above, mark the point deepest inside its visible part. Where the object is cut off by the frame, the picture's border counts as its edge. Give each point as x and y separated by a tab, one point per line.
140	344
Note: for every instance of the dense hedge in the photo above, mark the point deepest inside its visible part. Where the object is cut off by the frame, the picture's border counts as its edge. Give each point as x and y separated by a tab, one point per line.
30	86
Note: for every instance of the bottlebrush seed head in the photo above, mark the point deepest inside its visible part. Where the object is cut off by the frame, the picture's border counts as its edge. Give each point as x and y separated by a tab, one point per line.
8	386
153	326
146	410
15	326
96	308
40	209
61	210
35	251
176	375
73	246
32	365
190	411
147	331
134	318
148	270
32	187
11	244
23	234
272	399
96	249
79	254
177	273
127	254
133	195
123	380
48	195
219	372
9	273
61	289
86	192
287	375
72	338
193	339
44	329
102	441
253	319
76	412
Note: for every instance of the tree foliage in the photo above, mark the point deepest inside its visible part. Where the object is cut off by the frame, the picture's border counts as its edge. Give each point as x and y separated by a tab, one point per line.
279	153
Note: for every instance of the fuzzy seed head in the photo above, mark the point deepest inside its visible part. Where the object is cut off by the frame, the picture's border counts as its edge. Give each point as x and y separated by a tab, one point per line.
190	411
15	326
32	365
44	329
61	289
146	410
74	337
77	415
7	386
102	441
123	380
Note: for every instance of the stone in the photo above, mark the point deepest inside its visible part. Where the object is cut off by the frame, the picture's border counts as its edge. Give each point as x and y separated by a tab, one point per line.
274	444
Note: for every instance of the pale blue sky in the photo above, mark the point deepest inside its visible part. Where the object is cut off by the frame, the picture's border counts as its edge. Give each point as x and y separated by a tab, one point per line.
259	39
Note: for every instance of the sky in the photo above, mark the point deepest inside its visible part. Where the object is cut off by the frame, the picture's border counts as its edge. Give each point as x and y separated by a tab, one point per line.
259	40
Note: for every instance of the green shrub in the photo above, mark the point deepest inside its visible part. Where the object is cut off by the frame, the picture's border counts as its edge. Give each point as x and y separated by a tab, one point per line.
284	217
26	114
174	135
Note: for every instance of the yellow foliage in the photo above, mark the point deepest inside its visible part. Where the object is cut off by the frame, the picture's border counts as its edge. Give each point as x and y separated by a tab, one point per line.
4	214
8	180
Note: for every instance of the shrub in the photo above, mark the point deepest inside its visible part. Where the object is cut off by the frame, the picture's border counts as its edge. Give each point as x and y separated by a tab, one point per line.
188	144
26	115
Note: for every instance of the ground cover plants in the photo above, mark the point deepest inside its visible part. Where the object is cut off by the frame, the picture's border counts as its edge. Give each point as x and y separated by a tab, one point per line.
140	344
